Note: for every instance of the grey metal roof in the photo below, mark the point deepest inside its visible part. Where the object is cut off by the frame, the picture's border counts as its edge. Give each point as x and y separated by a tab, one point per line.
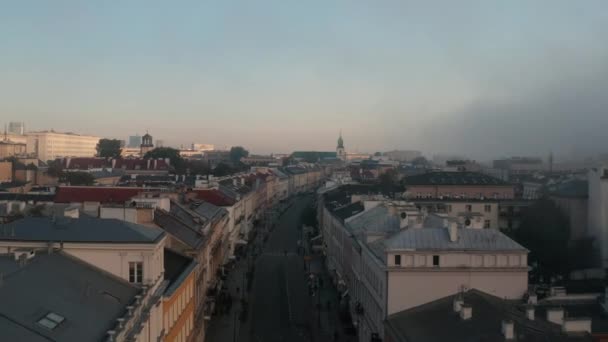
178	229
89	299
437	321
177	268
376	220
83	229
209	211
453	178
439	239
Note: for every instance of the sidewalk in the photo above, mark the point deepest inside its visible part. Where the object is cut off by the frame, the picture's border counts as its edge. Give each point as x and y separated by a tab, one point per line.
326	302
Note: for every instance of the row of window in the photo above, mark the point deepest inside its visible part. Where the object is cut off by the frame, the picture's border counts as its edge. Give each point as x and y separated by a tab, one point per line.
475	261
469	208
495	195
435	260
184	333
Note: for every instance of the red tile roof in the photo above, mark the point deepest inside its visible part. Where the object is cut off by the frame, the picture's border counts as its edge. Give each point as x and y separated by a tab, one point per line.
214	197
79	194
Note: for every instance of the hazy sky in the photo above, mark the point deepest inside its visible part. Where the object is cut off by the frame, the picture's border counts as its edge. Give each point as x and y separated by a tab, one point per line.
480	78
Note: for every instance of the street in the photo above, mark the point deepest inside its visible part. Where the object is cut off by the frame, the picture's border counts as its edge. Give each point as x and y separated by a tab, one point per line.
280	306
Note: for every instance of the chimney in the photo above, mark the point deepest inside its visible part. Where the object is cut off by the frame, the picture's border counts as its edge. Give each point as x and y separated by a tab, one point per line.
111	335
577	325
453	230
508	330
530	312
121	322
555	315
466	312
458	303
532	298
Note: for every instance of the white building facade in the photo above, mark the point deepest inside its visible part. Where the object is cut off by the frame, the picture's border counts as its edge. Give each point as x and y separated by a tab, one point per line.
50	145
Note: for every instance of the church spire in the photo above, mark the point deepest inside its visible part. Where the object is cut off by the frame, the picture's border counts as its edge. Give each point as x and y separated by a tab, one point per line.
340	141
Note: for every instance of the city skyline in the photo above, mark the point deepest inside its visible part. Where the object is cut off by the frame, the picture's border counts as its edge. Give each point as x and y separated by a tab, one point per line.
392	76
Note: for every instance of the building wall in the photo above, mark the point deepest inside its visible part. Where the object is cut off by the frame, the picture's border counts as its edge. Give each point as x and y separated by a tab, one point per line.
6	171
52	145
178	312
437	191
598	211
9	149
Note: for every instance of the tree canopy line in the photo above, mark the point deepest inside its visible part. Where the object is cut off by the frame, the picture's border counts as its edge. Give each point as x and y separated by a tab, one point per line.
111	148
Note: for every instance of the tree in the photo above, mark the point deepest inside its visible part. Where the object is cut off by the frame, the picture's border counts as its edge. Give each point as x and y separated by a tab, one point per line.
238	152
79	178
545	231
420	161
108	148
172	154
54	168
377	154
223	169
198	167
389	177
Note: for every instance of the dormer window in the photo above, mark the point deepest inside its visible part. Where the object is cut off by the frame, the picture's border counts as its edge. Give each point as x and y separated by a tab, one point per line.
398	260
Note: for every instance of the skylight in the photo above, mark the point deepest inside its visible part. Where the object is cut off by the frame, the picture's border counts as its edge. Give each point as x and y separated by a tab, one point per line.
51	320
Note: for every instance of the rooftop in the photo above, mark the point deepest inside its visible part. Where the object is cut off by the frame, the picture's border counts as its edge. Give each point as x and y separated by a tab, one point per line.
83	229
80	194
453	178
177	268
179	229
436	321
88	299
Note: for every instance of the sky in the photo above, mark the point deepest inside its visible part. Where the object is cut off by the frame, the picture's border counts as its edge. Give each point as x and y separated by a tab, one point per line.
484	79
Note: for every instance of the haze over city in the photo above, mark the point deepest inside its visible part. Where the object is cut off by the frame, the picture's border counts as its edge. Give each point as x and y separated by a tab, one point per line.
521	77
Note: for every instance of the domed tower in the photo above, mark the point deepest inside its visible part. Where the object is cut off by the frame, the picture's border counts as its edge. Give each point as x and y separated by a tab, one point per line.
340	152
146	144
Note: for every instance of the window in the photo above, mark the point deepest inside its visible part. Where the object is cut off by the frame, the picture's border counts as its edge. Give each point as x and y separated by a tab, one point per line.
51	320
487	208
436	260
449	208
397	259
486	224
136	271
469	208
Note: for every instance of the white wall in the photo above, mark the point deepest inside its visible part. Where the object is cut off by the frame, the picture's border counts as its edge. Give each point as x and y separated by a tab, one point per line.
413	288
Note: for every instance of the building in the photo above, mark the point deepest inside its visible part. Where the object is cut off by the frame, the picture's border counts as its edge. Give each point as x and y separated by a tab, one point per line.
403	155
461	165
520	165
457	185
202	147
10	149
160	143
597	217
134	141
260	160
147	144
130	253
17	128
6	171
383	251
78	301
50	145
215	157
571	197
470	213
178	298
477	316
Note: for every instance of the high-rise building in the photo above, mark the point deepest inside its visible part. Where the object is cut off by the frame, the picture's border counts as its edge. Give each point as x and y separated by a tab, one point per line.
16	128
50	145
135	140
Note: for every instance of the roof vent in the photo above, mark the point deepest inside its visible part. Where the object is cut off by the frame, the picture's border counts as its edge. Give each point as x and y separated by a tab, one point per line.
24	254
555	315
453	230
508	330
530	312
458	303
466	312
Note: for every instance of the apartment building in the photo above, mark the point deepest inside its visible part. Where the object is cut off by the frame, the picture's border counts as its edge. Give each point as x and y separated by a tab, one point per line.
462	185
131	254
383	256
